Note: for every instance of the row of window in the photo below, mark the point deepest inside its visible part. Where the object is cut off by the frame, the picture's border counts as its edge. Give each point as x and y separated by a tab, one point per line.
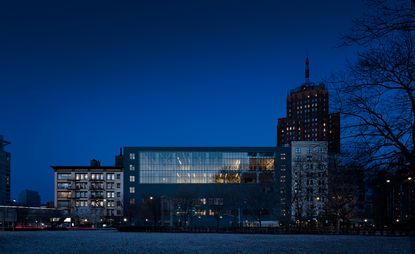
193	178
84	194
83	185
86	176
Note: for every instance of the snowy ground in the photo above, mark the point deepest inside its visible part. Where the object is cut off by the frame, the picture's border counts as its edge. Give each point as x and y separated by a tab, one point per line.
108	241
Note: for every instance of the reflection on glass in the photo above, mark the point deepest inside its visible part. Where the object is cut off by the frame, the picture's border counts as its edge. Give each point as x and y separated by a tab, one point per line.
206	167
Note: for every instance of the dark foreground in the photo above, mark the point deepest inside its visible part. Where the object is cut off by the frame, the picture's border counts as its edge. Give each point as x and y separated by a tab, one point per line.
110	241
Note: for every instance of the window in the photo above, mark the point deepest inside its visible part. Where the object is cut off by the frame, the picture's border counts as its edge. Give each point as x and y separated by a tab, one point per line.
132	179
132	189
118	176
110	177
64	194
81	185
132	201
81	177
297	150
81	203
81	194
118	185
132	156
110	194
132	168
64	176
97	176
118	194
63	203
64	186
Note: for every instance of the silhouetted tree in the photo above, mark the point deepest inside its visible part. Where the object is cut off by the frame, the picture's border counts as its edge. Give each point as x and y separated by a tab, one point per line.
260	201
185	202
377	95
150	209
381	19
346	185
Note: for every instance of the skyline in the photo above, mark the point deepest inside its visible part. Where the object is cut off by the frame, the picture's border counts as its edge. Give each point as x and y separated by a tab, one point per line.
78	87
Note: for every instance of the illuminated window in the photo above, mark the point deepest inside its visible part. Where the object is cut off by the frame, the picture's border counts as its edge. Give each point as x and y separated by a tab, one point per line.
64	176
111	177
132	189
132	156
132	179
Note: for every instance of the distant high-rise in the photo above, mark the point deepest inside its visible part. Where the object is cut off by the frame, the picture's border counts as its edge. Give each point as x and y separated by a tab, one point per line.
29	198
4	173
308	117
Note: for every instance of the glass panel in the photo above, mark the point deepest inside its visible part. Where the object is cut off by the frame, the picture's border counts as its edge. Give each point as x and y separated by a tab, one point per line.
205	167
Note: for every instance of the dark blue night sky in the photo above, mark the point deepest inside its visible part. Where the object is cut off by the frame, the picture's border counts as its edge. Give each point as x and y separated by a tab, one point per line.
80	79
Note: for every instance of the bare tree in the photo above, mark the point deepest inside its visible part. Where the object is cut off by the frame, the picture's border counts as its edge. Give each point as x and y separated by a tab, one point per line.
150	209
345	189
381	19
185	203
259	202
377	95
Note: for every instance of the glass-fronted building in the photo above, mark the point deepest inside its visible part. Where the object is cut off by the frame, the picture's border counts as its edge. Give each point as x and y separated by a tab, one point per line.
229	179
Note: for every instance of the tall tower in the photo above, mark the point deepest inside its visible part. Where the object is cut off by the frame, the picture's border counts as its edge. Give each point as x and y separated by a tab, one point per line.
4	173
308	117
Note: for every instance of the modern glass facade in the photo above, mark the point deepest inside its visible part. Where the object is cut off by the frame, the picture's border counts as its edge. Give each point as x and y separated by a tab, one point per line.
234	175
205	167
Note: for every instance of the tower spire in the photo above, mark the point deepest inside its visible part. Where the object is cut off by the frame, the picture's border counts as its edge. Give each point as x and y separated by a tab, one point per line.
307	70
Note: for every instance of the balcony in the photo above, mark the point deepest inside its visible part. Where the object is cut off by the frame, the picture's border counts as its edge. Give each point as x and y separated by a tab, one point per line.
92	187
97	196
97	180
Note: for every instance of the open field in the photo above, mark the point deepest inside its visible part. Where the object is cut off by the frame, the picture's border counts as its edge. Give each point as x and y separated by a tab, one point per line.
109	241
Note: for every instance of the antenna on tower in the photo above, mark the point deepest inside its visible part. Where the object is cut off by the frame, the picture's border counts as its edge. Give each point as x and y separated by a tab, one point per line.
307	71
